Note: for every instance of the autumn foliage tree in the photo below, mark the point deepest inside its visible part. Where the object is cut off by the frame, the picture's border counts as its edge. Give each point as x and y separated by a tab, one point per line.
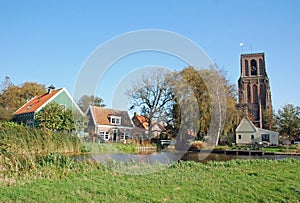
13	96
216	101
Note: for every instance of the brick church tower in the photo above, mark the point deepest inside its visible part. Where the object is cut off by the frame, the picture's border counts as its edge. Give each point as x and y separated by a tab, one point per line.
254	87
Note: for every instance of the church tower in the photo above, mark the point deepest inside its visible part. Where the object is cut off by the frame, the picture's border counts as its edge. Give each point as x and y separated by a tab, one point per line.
254	87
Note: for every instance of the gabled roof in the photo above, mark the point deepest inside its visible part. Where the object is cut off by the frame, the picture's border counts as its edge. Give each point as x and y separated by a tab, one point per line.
101	115
37	102
246	126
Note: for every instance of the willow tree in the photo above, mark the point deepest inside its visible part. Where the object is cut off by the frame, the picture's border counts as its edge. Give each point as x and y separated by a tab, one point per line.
215	98
190	89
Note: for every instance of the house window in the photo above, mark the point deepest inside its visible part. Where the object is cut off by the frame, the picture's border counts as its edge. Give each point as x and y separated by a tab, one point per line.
240	137
115	120
265	137
104	135
252	137
125	136
30	123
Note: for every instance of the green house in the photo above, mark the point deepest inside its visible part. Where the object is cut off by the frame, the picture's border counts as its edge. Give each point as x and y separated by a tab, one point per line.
26	113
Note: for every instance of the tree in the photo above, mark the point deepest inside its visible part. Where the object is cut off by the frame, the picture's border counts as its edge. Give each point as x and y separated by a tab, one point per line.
189	88
215	101
55	117
233	118
288	120
152	97
85	101
268	119
193	102
13	97
6	84
80	121
6	114
51	117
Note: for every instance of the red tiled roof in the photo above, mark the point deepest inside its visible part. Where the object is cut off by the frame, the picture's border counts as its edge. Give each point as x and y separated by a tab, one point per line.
143	121
36	102
101	116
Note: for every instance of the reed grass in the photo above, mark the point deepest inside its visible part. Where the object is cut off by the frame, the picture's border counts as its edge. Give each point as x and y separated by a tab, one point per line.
21	148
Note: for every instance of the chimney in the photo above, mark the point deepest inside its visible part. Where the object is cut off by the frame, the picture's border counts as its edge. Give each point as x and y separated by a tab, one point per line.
50	88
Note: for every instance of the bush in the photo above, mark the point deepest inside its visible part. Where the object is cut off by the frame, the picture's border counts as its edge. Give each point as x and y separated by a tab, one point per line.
197	145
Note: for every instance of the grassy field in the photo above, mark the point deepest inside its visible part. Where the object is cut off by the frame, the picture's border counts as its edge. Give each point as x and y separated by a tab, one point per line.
34	167
233	181
291	148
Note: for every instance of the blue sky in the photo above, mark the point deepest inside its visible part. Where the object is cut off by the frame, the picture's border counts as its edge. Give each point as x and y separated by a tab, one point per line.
49	41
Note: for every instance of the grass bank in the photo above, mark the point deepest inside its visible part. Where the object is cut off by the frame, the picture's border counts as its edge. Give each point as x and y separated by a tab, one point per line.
233	181
95	148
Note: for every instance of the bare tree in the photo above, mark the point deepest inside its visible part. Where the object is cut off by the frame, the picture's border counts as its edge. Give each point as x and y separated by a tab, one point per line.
152	97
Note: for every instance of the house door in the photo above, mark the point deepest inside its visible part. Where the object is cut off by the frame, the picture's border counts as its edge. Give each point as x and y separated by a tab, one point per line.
115	134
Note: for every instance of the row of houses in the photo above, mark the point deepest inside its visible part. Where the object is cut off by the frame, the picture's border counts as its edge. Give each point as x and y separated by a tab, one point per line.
105	124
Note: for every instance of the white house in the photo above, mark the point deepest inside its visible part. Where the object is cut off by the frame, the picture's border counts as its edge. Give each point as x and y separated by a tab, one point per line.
109	124
248	133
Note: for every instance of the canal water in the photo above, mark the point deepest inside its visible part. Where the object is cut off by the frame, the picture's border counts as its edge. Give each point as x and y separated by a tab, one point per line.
205	157
169	157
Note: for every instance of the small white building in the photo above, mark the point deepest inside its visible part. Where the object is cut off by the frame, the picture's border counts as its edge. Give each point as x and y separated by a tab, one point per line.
248	133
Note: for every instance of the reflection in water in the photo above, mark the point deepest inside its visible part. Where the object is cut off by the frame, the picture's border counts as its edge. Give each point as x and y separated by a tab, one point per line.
205	157
137	164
